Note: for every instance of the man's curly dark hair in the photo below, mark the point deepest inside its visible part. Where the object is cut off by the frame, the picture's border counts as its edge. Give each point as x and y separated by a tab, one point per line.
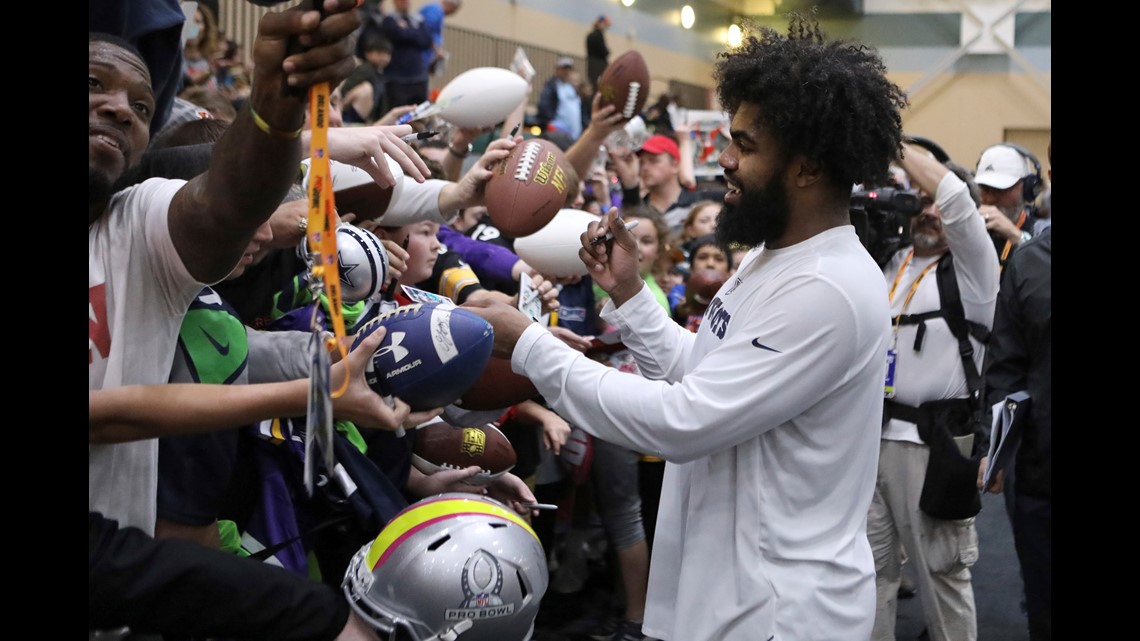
830	101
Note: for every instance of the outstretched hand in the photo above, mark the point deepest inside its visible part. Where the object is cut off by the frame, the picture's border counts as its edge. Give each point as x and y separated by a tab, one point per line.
471	187
508	321
368	147
359	403
281	76
613	264
510	490
446	480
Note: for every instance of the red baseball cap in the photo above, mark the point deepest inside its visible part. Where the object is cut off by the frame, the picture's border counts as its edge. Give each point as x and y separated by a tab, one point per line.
659	144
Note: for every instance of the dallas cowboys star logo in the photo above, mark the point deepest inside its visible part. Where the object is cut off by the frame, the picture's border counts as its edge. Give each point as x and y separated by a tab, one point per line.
344	269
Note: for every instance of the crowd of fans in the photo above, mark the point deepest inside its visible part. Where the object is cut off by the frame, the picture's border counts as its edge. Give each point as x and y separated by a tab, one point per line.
205	318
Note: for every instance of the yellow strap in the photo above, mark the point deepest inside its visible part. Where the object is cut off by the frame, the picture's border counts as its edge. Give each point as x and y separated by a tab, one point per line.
321	232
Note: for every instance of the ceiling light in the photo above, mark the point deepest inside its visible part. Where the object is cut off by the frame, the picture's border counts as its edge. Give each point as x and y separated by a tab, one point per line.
628	3
735	36
688	17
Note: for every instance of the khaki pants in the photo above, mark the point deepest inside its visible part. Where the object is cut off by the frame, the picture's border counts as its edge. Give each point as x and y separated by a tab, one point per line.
941	552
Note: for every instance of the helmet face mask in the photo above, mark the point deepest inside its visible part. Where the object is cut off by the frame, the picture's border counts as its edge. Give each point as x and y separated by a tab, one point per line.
452	566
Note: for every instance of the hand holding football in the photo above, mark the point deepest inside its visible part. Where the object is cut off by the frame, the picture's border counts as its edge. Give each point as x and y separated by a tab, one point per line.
625	83
528	187
430	355
440	445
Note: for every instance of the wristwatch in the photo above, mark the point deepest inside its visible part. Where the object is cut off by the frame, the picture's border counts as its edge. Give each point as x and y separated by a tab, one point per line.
466	152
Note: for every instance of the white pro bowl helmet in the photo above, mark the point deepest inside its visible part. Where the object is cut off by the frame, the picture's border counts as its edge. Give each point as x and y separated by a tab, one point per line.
362	263
453	566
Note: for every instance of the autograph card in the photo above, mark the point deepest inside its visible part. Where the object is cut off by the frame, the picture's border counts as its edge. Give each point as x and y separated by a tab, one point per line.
530	302
421	296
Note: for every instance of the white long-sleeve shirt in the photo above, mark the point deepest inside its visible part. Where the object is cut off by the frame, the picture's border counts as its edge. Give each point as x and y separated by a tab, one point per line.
935	372
769	418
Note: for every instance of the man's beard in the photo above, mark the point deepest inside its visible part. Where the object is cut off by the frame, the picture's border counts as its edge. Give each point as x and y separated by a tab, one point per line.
761	216
1012	212
99	185
927	235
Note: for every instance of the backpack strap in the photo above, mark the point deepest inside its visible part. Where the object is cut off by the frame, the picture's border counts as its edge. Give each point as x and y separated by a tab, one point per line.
959	326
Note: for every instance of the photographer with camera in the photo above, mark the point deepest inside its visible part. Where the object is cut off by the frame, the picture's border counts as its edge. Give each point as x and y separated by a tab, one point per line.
942	290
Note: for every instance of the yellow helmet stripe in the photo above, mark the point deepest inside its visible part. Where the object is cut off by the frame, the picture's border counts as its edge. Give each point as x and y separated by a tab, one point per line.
425	513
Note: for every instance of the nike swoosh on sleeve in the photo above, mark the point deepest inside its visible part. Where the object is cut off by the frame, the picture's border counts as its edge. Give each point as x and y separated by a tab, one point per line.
222	349
756	343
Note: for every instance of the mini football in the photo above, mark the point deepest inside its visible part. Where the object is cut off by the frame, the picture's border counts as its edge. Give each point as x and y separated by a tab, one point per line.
431	354
553	250
497	388
442	446
361	262
704	284
625	83
528	187
481	97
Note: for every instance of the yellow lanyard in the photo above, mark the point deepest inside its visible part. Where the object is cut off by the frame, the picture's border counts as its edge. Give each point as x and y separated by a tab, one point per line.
1009	243
321	233
910	294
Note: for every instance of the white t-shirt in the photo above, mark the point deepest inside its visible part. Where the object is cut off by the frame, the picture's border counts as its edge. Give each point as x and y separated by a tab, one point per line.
138	292
935	371
769	418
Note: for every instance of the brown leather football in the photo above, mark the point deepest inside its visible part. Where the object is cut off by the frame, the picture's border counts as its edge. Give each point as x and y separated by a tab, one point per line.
497	388
625	83
440	445
528	187
703	285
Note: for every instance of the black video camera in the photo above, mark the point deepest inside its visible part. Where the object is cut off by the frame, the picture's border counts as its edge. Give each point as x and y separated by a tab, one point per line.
882	219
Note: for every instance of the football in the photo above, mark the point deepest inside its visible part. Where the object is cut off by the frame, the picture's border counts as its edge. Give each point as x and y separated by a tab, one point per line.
440	446
431	354
480	97
497	388
528	187
553	250
625	83
704	284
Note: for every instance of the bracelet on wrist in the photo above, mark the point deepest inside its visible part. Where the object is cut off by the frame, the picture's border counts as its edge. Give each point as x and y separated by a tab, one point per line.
466	152
268	129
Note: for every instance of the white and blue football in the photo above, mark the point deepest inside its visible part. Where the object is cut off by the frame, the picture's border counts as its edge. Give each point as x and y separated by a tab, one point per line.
432	353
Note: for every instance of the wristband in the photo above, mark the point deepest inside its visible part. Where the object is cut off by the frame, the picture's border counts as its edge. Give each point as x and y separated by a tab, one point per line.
268	130
465	154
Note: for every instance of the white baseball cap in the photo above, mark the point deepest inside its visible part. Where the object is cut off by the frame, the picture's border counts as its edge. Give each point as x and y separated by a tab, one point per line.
1001	167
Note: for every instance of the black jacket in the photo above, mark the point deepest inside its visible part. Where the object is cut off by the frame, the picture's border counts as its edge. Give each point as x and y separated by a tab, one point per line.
597	55
1019	357
178	587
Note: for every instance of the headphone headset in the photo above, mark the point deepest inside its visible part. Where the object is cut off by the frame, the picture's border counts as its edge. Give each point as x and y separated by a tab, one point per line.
939	153
941	156
1031	184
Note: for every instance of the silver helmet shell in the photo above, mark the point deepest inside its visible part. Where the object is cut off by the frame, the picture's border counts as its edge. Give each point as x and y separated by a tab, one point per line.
362	263
455	565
